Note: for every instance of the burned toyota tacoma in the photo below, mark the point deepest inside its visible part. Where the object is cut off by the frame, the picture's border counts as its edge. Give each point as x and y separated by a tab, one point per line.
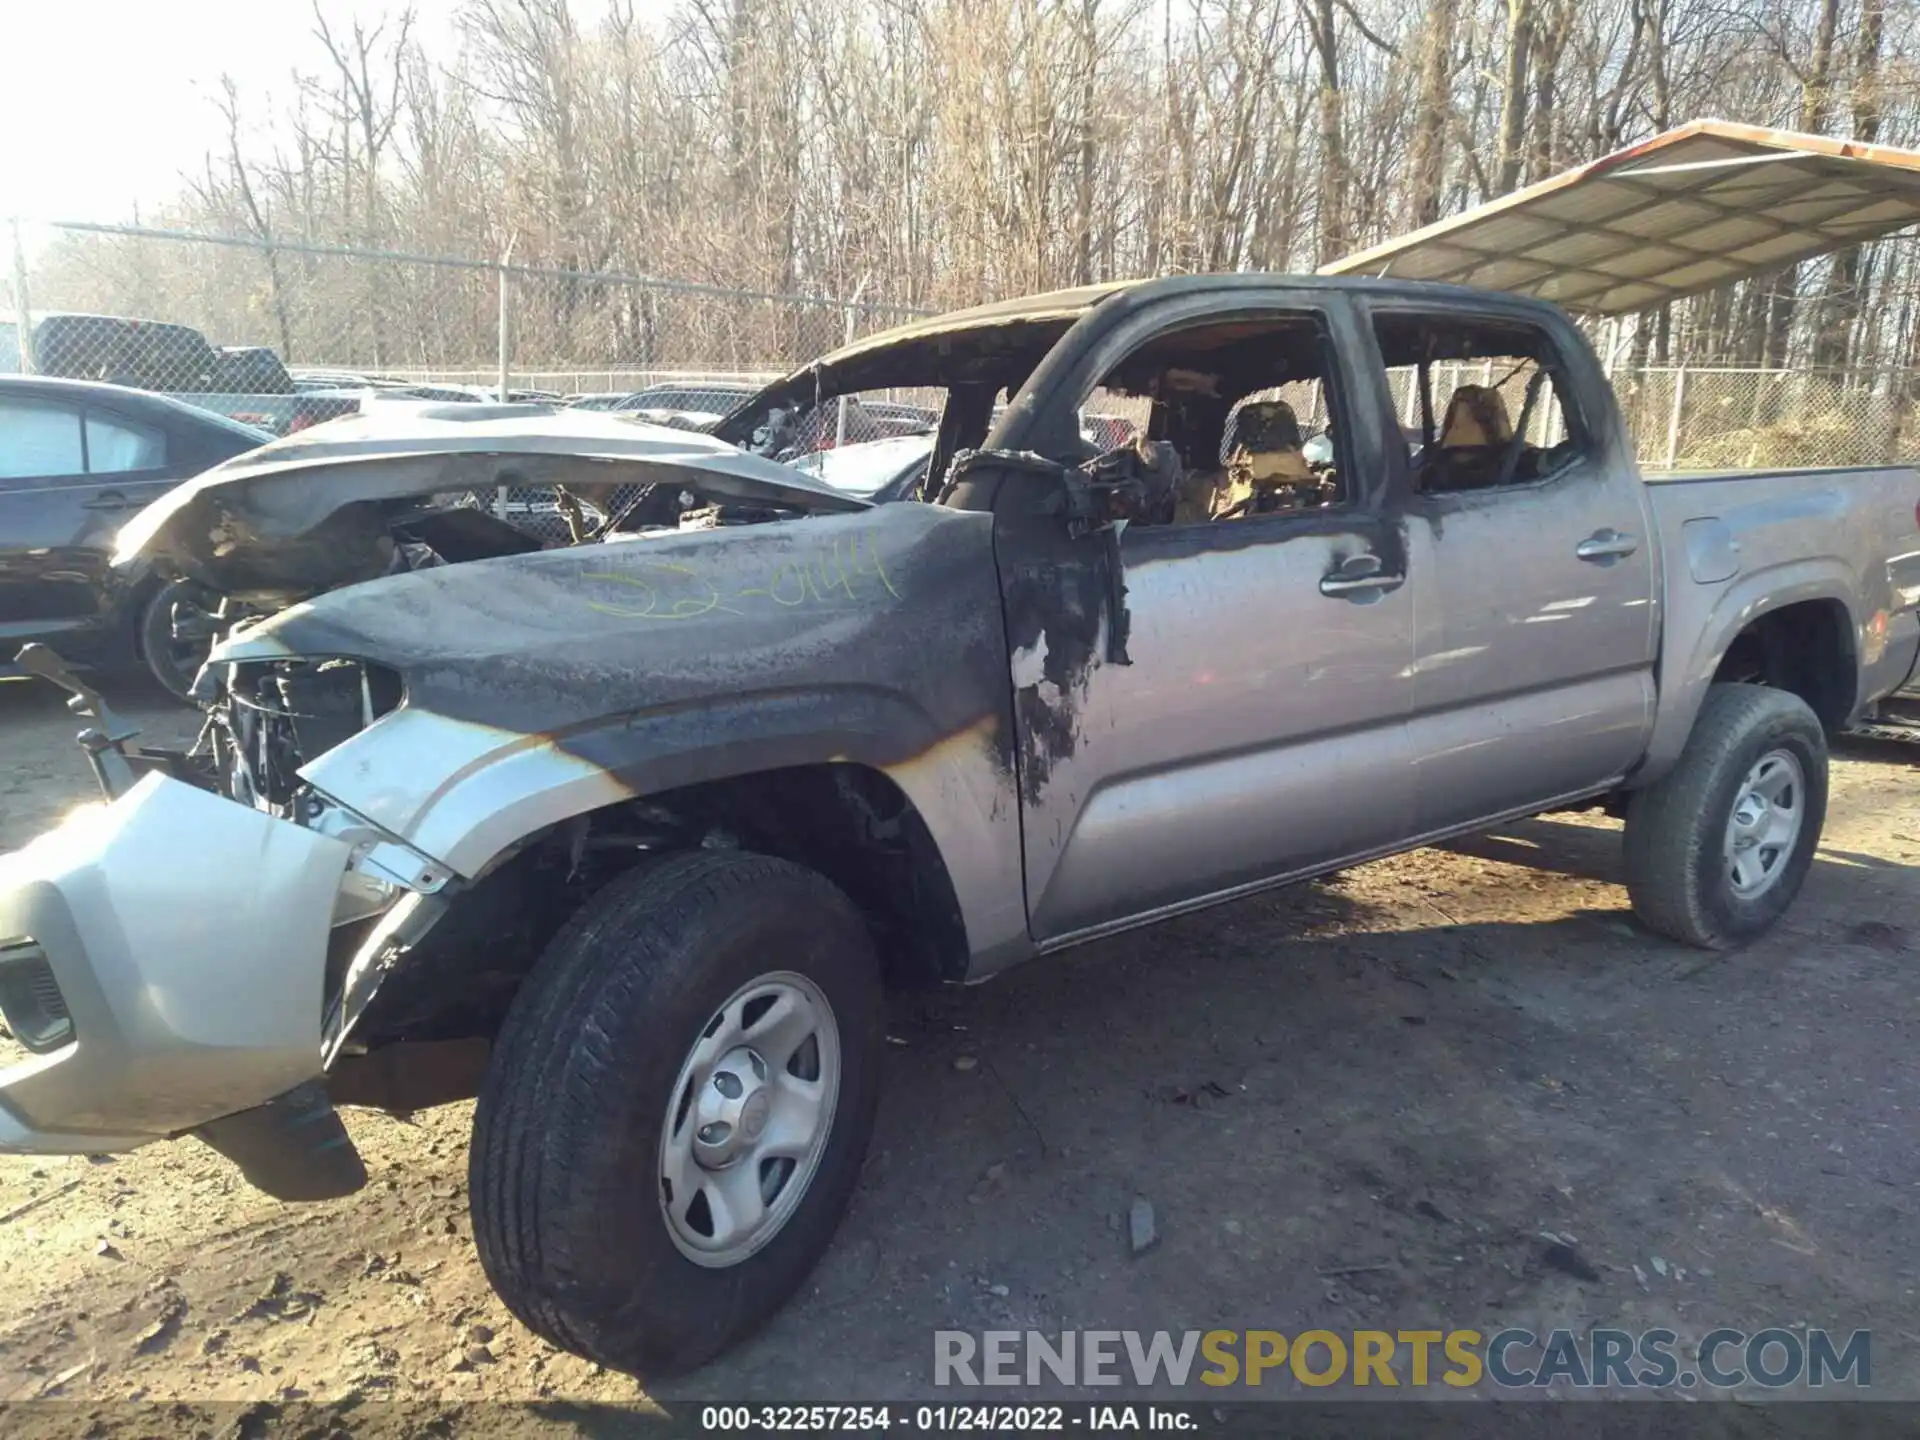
629	837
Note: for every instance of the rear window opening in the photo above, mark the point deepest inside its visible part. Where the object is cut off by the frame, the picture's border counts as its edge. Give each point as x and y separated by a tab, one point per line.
1482	404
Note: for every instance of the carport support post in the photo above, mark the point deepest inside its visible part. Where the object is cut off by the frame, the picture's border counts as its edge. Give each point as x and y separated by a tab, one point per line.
506	293
506	301
1673	420
1616	341
22	309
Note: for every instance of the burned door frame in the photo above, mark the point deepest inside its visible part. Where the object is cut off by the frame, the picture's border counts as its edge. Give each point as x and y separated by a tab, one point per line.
1108	736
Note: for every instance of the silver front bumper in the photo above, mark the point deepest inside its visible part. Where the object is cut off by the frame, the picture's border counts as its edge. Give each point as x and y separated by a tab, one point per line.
188	937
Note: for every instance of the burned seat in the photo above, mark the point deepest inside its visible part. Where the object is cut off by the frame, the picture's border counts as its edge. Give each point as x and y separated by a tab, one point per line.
1474	440
1265	470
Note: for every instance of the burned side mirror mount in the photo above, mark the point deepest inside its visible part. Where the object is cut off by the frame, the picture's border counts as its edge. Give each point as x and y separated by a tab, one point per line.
1135	483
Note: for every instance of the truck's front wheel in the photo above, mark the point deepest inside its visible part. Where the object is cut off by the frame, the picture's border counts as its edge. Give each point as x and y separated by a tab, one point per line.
677	1108
1717	848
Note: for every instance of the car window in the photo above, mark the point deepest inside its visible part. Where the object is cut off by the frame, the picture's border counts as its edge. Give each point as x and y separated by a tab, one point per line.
250	370
1241	417
1484	403
866	467
39	439
115	446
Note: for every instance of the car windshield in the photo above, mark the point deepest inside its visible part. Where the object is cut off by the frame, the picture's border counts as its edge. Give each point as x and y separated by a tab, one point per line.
233	426
858	419
213	419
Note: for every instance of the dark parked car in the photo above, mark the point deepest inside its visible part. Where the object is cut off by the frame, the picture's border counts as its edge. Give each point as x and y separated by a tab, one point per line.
250	368
119	349
77	460
892	418
247	383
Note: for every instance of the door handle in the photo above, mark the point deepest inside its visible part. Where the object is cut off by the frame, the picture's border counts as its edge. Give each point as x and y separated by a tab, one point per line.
1359	579
1604	546
106	500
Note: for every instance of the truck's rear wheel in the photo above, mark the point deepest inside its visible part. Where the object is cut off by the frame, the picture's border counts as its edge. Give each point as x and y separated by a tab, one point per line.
1717	848
677	1108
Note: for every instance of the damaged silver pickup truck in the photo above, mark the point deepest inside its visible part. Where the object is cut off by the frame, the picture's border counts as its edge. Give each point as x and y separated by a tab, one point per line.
629	837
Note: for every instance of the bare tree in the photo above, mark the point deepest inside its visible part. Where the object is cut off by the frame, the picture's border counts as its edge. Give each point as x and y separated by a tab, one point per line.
1426	162
1513	92
1840	304
236	179
939	152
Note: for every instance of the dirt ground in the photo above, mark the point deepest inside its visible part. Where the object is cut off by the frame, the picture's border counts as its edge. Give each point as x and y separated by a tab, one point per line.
1359	1104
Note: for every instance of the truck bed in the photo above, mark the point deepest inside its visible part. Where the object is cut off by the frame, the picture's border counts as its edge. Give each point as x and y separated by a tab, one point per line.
1856	528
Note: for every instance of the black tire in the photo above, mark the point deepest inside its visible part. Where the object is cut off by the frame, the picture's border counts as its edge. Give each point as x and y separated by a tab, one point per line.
1676	827
168	661
564	1170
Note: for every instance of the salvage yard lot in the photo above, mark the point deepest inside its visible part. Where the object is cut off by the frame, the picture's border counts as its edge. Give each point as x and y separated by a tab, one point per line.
1359	1104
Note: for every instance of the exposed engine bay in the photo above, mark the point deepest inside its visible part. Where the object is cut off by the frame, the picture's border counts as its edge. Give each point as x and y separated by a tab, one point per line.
272	717
383	495
379	493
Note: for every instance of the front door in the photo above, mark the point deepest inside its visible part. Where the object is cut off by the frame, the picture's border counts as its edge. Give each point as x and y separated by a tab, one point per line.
1257	728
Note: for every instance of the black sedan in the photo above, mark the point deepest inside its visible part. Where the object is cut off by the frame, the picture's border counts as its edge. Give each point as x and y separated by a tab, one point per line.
76	461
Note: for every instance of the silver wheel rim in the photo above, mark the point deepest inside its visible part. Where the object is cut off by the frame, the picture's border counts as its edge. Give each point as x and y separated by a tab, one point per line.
748	1118
1768	810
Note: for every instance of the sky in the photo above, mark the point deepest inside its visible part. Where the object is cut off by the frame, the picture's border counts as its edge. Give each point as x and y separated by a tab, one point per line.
110	101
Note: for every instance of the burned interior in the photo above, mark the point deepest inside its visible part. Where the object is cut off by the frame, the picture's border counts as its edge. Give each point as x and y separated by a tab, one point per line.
1239	403
1484	404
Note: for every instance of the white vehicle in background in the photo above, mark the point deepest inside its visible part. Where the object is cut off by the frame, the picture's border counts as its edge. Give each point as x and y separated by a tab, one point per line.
688	405
876	470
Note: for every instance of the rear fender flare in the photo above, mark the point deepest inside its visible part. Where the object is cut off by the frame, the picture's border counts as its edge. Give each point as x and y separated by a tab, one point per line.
1685	675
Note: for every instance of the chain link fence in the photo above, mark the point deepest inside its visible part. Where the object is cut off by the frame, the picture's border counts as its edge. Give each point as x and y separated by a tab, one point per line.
286	334
342	311
1718	419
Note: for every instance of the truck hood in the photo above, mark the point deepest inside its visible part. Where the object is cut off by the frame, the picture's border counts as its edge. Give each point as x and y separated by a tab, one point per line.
655	662
313	510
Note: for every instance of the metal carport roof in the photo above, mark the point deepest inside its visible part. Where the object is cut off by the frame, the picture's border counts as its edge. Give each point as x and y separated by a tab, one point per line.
1683	212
